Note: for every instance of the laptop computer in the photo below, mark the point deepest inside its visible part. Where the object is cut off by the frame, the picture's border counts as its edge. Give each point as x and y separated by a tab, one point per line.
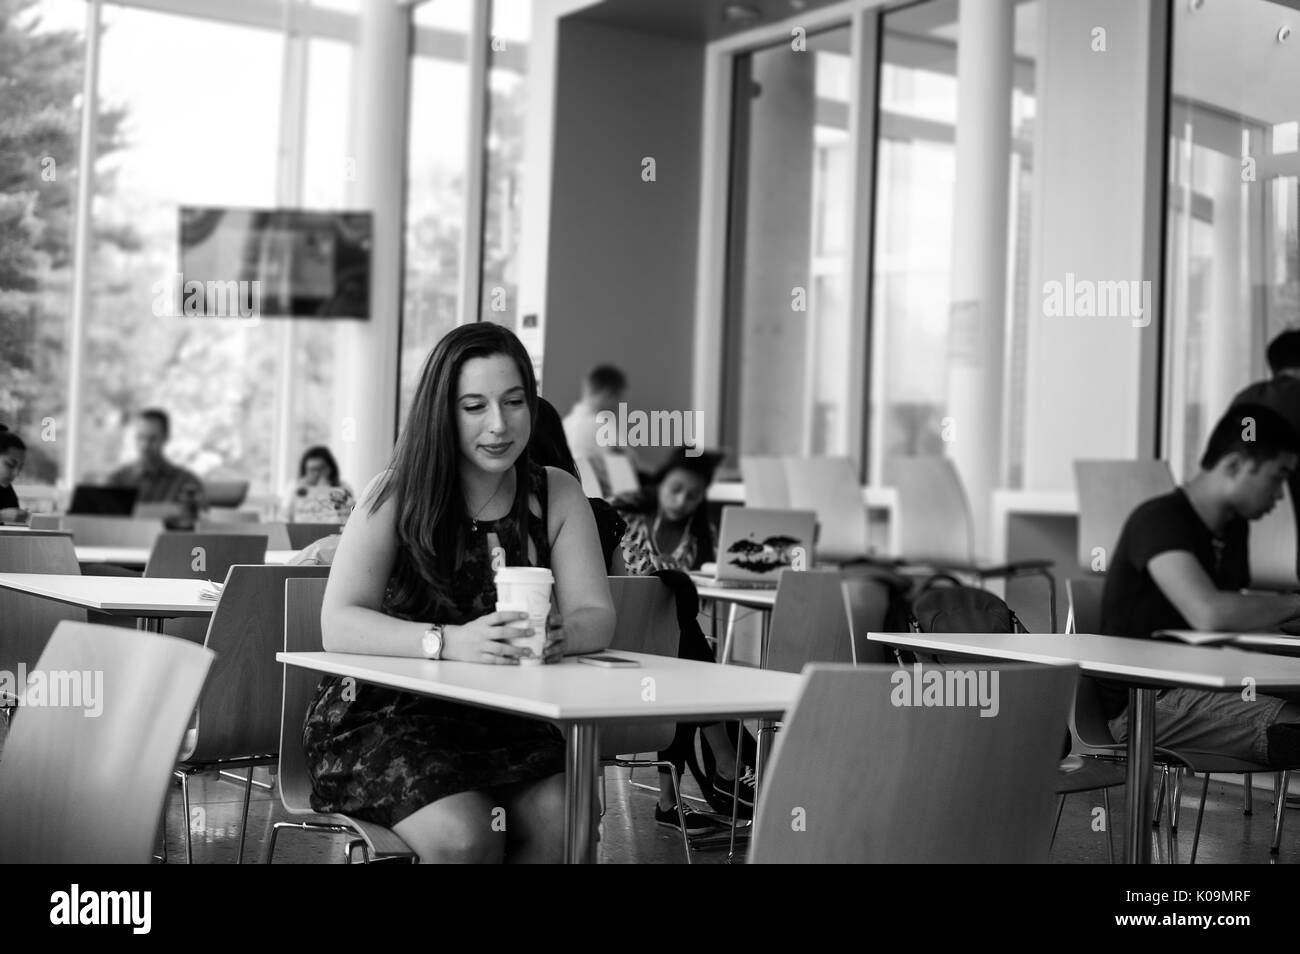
105	501
755	545
225	493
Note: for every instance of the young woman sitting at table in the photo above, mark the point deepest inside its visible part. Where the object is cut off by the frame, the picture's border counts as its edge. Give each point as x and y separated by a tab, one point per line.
413	576
668	529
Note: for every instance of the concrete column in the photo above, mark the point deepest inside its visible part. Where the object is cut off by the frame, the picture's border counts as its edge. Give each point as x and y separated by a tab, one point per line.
985	52
367	388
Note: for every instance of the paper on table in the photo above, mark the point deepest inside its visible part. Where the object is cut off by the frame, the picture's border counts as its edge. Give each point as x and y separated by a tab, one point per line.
210	590
1196	638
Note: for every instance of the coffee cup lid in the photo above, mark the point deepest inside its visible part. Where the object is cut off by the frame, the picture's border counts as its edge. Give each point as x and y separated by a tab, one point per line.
524	574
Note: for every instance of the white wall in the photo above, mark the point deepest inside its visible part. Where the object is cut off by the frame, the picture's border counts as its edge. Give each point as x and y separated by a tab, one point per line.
1090	391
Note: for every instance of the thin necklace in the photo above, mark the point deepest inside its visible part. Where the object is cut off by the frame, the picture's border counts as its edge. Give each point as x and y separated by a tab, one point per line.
474	519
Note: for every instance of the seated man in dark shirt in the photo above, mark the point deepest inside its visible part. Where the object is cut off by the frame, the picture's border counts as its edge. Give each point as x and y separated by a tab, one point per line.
1181	563
157	479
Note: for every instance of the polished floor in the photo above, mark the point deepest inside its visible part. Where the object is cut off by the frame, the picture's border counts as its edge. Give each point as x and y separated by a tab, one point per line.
630	836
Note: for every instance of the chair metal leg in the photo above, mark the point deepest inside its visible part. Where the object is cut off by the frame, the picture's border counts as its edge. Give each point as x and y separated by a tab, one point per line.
1110	837
1283	782
1200	813
1248	796
1051	597
185	807
681	812
731	632
243	829
1060	806
1176	800
1160	797
275	833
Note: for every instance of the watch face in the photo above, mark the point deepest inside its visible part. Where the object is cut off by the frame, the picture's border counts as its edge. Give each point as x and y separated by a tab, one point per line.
433	643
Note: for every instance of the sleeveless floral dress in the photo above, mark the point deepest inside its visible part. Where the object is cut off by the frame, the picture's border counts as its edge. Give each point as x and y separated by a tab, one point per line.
382	754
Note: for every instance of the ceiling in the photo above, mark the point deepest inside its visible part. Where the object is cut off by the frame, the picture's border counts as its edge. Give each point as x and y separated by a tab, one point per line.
699	20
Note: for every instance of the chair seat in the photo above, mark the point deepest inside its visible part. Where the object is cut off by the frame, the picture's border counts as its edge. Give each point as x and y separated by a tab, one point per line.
381	841
1083	774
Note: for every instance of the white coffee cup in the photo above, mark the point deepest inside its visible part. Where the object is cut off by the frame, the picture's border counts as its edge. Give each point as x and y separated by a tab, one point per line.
526	589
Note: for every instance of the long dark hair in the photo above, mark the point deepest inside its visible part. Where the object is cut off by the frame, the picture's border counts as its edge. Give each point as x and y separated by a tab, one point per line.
320	452
646	500
424	475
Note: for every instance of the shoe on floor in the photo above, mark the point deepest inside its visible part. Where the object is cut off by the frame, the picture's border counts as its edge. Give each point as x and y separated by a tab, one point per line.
696	823
726	786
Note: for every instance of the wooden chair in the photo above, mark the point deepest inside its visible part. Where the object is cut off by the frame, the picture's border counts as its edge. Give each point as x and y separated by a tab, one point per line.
200	556
237	723
93	530
80	790
276	532
829	486
303	599
645	613
1110	490
866	602
809	622
766	483
836	794
26	622
302	535
936	529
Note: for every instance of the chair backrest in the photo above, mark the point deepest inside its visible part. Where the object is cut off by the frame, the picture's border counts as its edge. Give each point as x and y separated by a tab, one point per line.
645	614
26	622
303	535
203	556
239	712
1273	547
808	622
866	603
926	784
276	532
590	479
1084	595
157	511
94	530
225	515
934	516
829	487
1110	490
81	790
621	473
303	599
766	483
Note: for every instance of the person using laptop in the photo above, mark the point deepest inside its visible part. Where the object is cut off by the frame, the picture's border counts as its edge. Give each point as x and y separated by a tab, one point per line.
319	495
1182	563
13	455
668	529
157	479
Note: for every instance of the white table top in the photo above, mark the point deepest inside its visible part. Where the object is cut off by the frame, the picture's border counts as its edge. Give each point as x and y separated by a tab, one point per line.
1140	661
574	692
139	556
733	492
740	595
116	595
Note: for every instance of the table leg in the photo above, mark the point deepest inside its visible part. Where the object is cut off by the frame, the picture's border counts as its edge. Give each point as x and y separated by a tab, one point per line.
1141	760
579	793
149	624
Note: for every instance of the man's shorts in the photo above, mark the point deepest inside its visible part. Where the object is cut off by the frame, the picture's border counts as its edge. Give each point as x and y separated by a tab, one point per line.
1203	721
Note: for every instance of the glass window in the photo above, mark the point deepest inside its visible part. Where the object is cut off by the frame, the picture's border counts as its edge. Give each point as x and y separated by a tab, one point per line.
41	73
194	132
787	370
1233	260
435	195
504	160
912	288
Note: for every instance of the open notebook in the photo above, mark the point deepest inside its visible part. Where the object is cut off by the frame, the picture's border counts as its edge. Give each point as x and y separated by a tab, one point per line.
1198	638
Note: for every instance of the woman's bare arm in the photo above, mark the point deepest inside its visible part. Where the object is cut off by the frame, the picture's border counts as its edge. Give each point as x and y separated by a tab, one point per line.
581	586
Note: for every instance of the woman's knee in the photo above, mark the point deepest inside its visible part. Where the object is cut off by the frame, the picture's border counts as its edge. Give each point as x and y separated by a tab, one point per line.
459	829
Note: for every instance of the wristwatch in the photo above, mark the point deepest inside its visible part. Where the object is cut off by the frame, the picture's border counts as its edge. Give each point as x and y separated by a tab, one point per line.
433	641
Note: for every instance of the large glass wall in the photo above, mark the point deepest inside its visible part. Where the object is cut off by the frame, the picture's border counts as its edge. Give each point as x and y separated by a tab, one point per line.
1233	252
42	56
787	368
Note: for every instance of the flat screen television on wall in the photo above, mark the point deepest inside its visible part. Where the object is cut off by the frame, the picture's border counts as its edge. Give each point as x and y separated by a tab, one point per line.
306	264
